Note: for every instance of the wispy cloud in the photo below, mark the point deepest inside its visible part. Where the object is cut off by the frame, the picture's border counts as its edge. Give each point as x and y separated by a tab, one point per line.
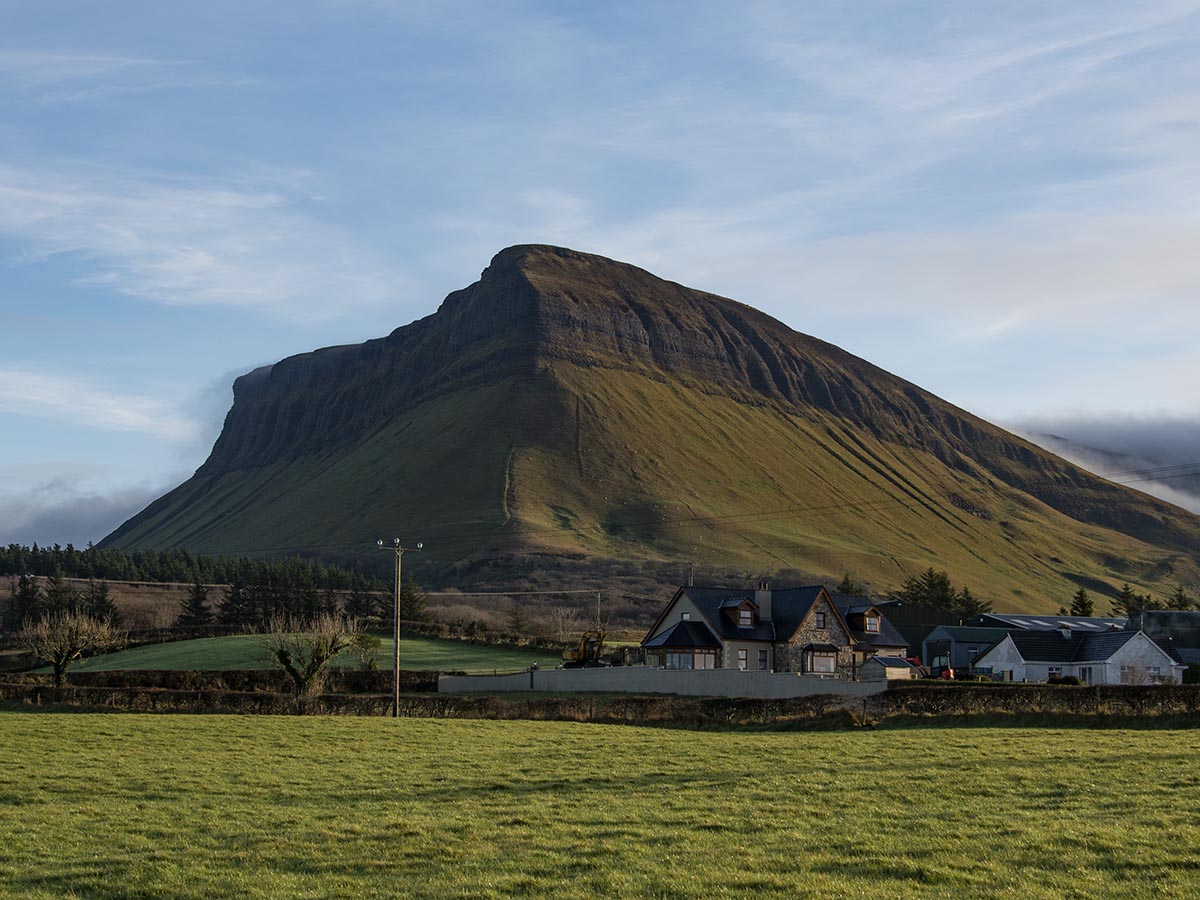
35	69
78	77
249	242
79	402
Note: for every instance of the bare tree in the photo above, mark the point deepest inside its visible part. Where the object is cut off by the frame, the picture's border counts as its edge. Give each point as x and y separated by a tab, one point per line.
564	623
305	648
63	637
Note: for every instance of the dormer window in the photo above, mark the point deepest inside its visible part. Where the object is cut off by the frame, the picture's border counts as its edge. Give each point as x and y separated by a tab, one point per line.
745	618
872	623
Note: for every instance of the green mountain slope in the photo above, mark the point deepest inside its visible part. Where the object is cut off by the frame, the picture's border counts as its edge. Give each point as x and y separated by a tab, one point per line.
567	407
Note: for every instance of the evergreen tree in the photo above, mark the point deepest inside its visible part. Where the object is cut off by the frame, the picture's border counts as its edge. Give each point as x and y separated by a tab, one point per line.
194	610
932	588
27	602
236	608
849	587
98	604
329	602
1128	604
1081	604
413	602
1180	598
60	597
968	605
361	605
516	618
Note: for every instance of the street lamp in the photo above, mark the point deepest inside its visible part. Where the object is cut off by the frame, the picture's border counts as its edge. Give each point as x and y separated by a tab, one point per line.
399	550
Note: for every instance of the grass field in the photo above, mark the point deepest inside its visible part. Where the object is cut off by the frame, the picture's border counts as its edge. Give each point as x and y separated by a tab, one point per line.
107	806
245	652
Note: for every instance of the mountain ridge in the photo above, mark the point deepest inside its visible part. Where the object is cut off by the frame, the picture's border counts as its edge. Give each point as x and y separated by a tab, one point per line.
574	397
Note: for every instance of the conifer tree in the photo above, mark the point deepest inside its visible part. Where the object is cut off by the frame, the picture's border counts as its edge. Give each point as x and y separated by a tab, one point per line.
516	618
849	587
359	602
236	608
413	602
98	604
194	610
1081	604
1180	598
59	596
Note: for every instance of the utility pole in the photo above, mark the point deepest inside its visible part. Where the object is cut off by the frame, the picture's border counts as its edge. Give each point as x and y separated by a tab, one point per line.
399	550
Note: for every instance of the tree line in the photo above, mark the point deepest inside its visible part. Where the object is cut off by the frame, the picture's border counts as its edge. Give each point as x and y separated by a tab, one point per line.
166	566
934	589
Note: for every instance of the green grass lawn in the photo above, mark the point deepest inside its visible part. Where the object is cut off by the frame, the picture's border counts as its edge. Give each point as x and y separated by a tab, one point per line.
108	806
245	652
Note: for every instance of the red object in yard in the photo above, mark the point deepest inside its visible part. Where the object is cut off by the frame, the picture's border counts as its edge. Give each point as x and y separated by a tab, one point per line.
947	674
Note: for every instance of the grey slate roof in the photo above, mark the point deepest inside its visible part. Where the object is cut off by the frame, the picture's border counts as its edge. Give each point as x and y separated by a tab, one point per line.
788	609
688	635
1052	646
1046	623
849	605
985	637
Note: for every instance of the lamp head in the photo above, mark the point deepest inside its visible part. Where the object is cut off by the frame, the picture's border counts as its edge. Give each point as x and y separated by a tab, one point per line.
396	541
419	545
379	544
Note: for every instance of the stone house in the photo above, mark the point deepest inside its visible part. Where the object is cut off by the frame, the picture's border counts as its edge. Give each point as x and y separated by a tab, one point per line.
791	630
1114	657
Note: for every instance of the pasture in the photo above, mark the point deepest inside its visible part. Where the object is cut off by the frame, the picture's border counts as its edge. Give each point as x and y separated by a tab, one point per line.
244	651
108	806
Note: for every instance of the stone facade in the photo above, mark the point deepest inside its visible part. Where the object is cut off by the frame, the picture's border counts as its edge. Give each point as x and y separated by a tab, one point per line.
789	656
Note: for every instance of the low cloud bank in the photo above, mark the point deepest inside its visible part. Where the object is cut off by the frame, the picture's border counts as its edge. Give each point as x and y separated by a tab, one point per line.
1117	445
61	512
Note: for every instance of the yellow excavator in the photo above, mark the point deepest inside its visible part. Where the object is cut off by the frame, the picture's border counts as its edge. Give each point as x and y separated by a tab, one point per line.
587	654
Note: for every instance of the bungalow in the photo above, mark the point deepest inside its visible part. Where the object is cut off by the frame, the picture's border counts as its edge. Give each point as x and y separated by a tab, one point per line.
792	630
1114	657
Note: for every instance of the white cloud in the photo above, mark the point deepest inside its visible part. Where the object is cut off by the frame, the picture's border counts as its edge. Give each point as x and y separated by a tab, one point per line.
81	403
184	241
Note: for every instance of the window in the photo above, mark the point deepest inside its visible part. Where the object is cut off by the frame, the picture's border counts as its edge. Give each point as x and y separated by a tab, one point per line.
1085	675
821	620
1054	671
685	617
705	659
825	663
745	618
762	660
743	659
872	623
679	660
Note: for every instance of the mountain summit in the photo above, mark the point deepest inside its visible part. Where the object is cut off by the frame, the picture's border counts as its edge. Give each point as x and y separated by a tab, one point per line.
567	407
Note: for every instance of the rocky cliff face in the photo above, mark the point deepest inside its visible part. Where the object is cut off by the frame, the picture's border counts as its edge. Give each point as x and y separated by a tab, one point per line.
553	355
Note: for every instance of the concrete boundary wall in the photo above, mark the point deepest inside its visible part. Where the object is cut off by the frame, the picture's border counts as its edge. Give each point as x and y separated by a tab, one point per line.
645	680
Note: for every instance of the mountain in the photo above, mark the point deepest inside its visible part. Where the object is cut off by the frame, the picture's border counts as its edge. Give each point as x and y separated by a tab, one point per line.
568	411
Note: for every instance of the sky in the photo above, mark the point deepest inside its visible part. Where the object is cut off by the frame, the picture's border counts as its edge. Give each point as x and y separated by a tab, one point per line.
998	202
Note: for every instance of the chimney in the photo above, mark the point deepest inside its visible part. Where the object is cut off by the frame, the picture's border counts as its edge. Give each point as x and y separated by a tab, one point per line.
762	599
